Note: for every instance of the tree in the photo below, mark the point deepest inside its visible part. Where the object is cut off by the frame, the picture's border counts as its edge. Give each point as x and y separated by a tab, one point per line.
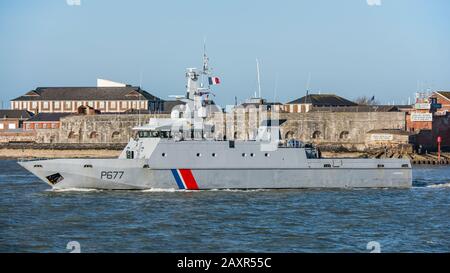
364	100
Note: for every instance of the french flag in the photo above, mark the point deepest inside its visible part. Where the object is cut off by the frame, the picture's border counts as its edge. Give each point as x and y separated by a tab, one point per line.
214	80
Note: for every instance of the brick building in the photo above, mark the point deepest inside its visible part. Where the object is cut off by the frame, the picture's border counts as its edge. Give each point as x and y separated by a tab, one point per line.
44	121
442	99
106	97
306	103
13	119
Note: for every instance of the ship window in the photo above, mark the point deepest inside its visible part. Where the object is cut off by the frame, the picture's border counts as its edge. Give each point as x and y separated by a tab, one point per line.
199	154
327	165
244	154
146	166
267	155
231	144
405	166
252	155
88	166
38	166
163	154
214	154
380	166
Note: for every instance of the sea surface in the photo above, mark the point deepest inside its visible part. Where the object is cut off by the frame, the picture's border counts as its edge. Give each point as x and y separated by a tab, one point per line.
35	219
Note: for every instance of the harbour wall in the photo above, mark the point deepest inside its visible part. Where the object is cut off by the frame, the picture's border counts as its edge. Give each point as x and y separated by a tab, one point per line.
350	130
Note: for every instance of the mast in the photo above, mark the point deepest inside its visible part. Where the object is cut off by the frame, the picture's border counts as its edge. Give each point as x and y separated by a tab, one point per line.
259	78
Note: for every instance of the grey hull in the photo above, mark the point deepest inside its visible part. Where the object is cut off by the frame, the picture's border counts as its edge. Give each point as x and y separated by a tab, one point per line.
121	174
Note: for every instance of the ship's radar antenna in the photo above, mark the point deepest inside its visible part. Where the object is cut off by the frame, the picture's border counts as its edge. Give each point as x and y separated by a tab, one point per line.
205	60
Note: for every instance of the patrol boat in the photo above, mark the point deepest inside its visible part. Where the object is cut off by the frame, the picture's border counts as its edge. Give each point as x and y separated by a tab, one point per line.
178	153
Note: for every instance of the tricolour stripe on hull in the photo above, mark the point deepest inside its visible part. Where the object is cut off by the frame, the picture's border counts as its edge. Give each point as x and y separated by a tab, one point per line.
185	179
178	179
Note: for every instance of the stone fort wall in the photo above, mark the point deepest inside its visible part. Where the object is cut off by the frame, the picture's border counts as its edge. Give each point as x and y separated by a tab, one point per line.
346	128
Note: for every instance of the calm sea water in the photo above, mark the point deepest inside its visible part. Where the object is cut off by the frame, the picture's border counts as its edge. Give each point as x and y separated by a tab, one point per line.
34	219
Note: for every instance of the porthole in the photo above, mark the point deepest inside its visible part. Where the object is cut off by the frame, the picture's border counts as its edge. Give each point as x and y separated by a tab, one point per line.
214	154
267	155
244	154
252	155
163	155
199	154
87	166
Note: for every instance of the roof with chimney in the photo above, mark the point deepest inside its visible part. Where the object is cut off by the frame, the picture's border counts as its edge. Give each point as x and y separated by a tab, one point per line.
15	114
87	94
323	100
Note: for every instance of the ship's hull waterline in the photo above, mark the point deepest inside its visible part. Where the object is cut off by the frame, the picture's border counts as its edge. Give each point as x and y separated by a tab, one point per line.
121	174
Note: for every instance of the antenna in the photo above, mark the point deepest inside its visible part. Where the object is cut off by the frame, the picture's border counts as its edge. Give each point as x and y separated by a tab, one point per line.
259	79
276	88
308	82
140	94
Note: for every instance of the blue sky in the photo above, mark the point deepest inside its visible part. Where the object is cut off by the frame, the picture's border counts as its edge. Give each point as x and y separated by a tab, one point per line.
348	47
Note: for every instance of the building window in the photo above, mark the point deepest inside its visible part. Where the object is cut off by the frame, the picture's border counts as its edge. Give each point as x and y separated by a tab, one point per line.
68	105
143	104
44	125
317	135
115	135
101	104
79	103
54	125
289	135
11	126
93	135
91	104
2	126
34	104
344	135
113	104
46	104
71	135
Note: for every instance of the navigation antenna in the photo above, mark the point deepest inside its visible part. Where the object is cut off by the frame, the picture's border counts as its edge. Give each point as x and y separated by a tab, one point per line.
205	70
308	82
